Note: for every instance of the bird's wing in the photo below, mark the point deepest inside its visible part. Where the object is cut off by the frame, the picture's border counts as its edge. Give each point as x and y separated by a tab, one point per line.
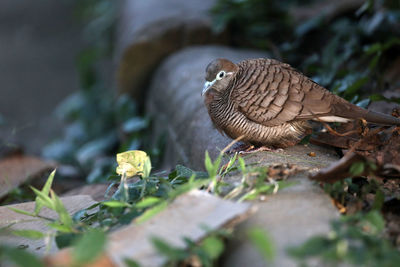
271	93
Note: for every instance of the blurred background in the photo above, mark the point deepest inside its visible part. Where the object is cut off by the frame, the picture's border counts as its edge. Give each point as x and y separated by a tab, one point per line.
39	45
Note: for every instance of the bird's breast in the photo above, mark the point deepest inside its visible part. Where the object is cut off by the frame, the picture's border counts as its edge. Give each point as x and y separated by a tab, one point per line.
209	97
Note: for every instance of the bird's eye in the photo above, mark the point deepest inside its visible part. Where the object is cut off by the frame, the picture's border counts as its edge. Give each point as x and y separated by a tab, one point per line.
220	75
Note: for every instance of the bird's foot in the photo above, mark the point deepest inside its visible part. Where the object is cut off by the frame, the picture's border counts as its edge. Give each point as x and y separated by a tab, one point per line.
253	149
244	149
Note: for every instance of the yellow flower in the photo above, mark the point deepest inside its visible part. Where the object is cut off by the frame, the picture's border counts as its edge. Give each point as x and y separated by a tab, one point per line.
133	162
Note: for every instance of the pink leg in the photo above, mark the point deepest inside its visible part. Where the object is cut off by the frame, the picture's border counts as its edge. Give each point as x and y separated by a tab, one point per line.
243	149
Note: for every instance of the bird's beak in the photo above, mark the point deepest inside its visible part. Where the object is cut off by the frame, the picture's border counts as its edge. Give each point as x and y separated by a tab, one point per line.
207	86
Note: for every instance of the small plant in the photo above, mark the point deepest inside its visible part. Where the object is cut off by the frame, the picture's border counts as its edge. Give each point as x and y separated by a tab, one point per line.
64	225
141	195
356	239
204	253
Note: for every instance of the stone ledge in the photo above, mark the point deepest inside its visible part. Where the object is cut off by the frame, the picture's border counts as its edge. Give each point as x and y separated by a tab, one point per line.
143	40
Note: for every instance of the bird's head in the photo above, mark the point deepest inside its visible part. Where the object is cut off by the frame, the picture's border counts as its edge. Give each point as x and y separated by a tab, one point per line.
219	73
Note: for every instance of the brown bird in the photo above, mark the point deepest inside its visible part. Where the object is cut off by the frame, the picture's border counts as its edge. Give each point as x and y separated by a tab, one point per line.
267	102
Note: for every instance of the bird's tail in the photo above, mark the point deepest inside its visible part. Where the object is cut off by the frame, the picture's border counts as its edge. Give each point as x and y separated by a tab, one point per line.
380	118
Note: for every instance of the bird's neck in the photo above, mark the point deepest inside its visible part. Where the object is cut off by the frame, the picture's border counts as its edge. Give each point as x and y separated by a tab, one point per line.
220	105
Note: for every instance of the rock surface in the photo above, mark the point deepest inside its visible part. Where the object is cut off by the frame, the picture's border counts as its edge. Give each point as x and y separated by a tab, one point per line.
95	191
17	170
144	40
290	216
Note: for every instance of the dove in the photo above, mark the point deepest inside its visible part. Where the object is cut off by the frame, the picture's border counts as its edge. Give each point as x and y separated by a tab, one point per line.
269	103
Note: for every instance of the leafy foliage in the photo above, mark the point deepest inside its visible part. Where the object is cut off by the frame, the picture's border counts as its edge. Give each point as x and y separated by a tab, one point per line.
19	257
345	53
204	253
98	123
254	22
263	242
355	239
89	246
355	191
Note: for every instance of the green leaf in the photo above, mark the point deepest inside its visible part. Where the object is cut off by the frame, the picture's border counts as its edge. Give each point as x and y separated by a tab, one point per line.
263	242
208	164
183	171
167	250
22	212
253	194
115	204
379	200
131	263
242	164
286	184
42	199
47	186
314	246
217	163
372	49
375	219
151	212
357	168
31	234
21	257
89	246
62	212
229	166
213	246
147	202
374	61
64	240
212	167
45	191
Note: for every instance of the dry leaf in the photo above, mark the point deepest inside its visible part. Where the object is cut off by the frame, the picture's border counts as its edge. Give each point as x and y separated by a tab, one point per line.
133	162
